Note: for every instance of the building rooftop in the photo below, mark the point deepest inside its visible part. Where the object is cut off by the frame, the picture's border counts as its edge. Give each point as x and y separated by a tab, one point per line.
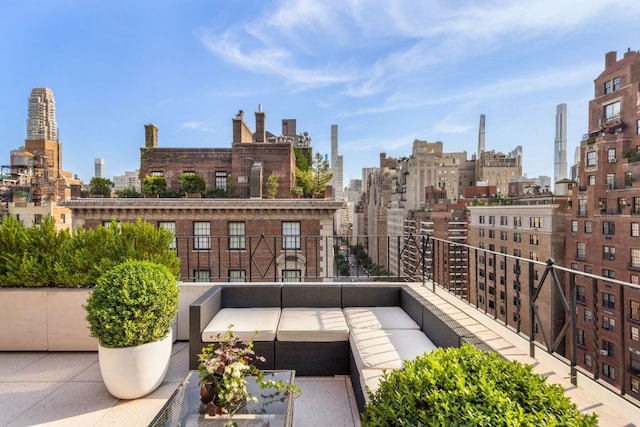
65	388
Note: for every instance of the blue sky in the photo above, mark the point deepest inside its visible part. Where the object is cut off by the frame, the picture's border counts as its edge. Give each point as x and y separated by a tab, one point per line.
386	72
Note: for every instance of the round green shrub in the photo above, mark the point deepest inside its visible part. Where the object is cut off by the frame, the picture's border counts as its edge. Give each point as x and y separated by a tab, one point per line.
468	387
133	303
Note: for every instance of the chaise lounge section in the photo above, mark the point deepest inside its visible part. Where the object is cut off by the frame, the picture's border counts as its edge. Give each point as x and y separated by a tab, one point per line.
326	329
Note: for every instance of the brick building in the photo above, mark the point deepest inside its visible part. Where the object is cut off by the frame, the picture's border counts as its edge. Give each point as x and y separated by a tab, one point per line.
257	240
246	166
604	227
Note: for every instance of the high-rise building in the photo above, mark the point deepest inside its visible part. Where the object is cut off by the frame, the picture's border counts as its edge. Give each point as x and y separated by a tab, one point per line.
604	224
41	123
560	144
99	168
336	165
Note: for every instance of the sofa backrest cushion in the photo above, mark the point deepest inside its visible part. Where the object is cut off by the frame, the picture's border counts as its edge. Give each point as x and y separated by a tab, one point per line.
361	295
248	296
311	295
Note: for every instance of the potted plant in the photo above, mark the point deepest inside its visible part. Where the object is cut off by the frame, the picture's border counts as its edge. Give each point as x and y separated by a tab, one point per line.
225	367
466	386
193	185
153	186
130	312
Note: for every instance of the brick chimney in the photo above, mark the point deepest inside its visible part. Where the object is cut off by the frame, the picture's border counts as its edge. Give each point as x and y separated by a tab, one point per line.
150	136
610	58
241	132
261	133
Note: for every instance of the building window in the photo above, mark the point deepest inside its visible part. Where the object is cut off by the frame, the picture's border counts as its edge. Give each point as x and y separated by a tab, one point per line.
587	359
636	205
492	247
616	83
581	294
608	228
608	323
481	219
611	181
582	207
635	385
533	256
189	173
535	222
37	219
592	180
291	275
517	221
587	269
517	252
607	348
574	265
492	219
492	234
612	111
170	226
608	371
63	218
635	229
588	227
517	237
622	204
503	220
201	235
607	87
221	180
503	235
634	313
291	235
588	315
635	333
580	338
481	232
608	253
237	236
637	127
533	239
591	158
611	155
574	226
608	273
608	301
157	173
237	275
634	279
201	275
635	258
582	251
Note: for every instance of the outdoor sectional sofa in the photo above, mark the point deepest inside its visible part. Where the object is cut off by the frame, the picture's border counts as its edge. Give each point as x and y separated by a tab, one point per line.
326	329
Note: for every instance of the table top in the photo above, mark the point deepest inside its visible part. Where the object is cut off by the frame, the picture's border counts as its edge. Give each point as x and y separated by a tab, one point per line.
273	409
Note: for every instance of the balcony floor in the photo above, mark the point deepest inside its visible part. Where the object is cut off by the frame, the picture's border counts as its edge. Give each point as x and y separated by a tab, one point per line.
65	388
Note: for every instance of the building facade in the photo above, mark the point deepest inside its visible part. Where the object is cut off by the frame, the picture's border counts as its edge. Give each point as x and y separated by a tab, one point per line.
603	235
232	240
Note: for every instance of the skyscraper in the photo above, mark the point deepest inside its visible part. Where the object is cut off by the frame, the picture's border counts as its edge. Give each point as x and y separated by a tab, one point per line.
336	165
99	168
41	124
560	144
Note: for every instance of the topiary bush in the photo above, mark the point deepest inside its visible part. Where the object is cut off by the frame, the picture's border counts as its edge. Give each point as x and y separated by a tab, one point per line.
467	387
132	304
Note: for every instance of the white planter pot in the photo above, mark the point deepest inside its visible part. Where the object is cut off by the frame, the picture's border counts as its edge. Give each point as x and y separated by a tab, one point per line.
133	372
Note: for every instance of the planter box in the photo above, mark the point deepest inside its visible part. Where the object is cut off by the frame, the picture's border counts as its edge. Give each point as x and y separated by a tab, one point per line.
42	319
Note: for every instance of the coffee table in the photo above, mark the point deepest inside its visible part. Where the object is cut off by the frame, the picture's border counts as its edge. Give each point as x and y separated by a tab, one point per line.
273	409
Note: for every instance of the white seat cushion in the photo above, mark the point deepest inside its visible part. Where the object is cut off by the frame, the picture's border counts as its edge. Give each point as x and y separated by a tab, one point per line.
379	318
312	325
387	349
370	378
245	322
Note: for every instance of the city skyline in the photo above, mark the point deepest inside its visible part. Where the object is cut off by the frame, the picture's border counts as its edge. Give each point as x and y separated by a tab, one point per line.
386	74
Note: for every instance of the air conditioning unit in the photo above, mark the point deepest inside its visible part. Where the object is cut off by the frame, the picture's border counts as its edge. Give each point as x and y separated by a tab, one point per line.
613	160
604	352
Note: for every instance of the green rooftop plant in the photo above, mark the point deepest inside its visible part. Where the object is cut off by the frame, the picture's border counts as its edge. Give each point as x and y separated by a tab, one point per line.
100	186
468	387
40	256
192	183
133	304
154	185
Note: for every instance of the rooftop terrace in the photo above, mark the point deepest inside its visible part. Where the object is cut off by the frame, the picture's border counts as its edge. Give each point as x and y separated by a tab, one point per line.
65	388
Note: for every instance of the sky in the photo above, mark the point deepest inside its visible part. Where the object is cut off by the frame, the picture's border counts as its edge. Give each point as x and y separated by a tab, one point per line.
386	72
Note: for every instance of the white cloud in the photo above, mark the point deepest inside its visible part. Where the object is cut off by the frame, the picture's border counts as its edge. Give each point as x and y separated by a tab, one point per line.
198	125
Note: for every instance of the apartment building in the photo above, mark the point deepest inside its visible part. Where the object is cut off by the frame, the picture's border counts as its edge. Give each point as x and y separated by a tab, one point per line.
257	240
603	235
499	282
